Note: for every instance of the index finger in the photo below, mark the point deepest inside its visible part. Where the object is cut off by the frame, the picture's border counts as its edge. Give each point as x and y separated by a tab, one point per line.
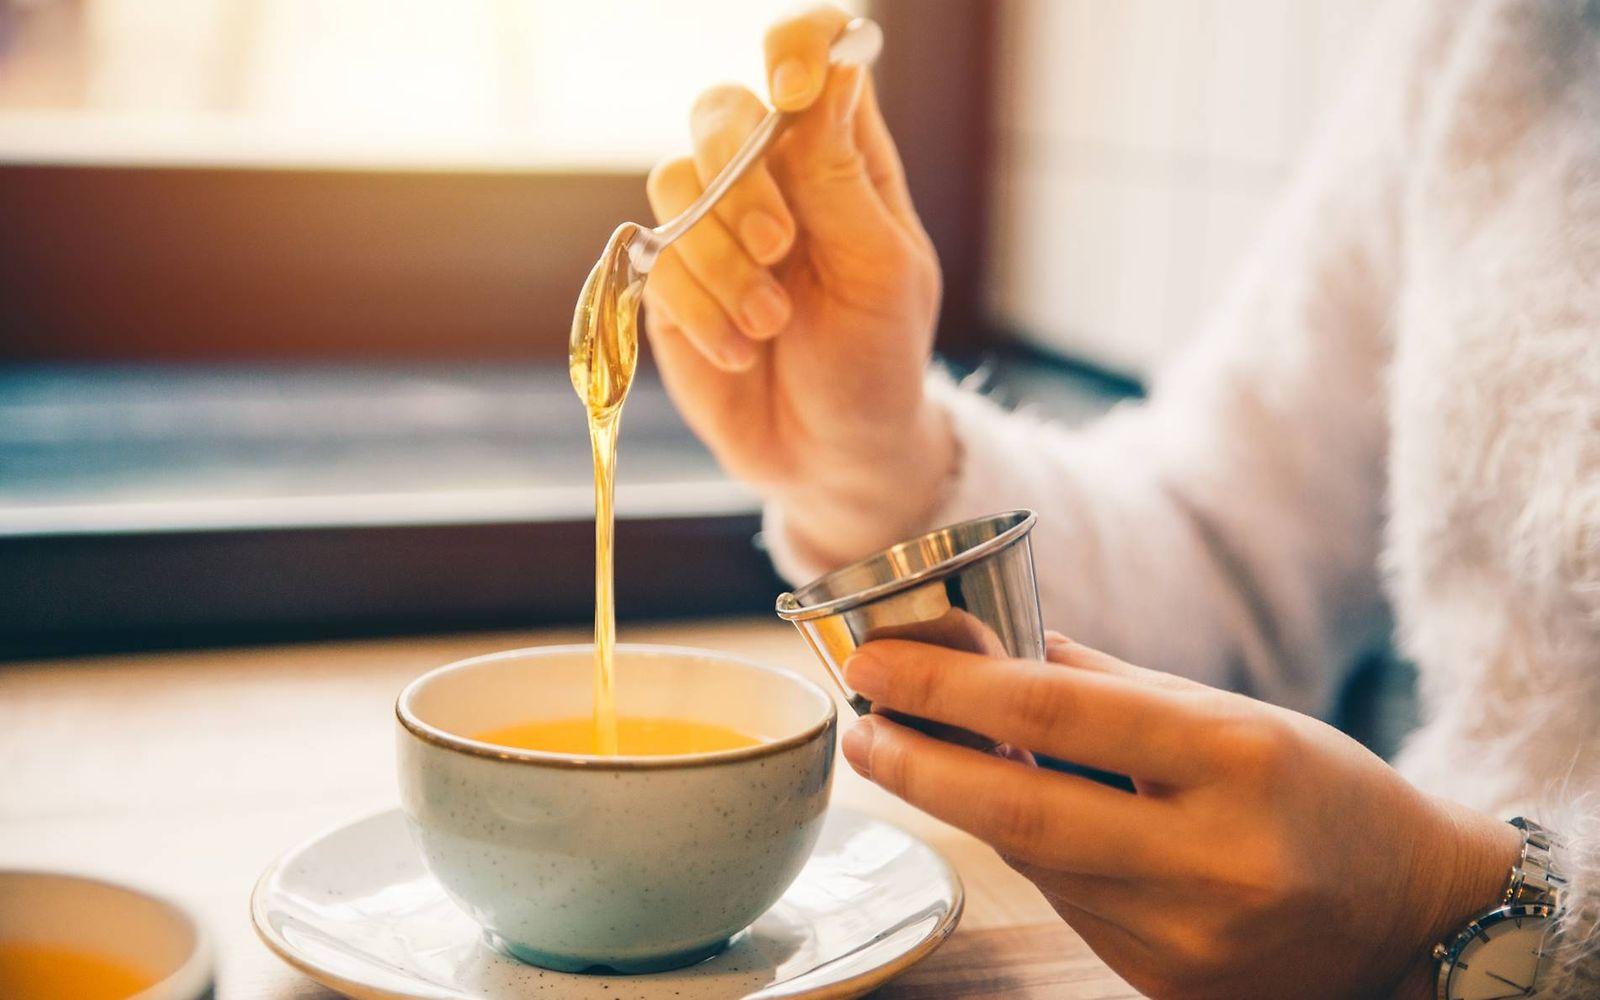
797	55
722	118
1055	820
1102	720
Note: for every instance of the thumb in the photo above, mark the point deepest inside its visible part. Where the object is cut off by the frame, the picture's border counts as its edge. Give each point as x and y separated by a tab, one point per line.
797	55
826	175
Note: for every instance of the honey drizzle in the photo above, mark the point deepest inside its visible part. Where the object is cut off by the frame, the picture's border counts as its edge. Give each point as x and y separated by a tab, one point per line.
604	352
603	442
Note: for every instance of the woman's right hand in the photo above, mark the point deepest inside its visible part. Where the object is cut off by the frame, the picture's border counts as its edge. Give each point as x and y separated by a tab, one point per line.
792	325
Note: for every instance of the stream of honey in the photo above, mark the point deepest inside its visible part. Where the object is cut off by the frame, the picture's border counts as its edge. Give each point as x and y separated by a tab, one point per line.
604	352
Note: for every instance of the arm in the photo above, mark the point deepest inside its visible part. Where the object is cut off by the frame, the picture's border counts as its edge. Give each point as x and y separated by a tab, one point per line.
1228	529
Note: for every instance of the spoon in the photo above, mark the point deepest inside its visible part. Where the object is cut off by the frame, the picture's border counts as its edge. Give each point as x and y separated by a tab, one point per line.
603	349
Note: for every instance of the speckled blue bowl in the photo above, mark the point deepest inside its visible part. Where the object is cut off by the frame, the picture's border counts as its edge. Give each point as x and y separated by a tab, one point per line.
623	864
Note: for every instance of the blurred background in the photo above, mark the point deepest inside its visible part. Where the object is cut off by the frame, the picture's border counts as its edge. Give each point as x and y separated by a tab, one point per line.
285	284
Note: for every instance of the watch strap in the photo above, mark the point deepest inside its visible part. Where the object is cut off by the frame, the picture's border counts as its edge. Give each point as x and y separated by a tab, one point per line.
1535	880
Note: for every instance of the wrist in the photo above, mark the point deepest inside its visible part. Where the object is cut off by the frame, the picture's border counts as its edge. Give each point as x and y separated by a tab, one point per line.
846	511
1469	873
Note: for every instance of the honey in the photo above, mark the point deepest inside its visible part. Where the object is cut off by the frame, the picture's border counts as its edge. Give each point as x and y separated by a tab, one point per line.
604	351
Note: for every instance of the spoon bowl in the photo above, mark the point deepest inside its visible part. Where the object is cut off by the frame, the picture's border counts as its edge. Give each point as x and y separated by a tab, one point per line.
603	351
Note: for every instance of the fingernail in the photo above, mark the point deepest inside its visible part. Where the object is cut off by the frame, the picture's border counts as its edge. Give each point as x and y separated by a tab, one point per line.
857	745
765	310
864	672
737	354
791	84
1058	648
765	237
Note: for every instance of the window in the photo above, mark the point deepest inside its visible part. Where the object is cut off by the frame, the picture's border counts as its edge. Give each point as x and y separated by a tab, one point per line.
1139	146
475	84
284	294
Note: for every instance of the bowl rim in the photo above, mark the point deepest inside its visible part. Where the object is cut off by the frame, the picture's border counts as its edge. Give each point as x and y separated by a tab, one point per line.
431	734
189	980
790	609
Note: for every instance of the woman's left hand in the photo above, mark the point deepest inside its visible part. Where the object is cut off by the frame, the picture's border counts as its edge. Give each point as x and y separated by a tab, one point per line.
1265	854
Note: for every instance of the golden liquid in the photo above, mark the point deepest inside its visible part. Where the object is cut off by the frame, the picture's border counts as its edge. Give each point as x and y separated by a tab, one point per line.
604	352
47	972
636	735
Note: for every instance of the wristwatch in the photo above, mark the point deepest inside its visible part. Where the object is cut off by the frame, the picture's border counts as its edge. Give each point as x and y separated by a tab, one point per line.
1501	954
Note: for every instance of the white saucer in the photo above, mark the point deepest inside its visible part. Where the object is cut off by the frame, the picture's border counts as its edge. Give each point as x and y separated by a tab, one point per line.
355	910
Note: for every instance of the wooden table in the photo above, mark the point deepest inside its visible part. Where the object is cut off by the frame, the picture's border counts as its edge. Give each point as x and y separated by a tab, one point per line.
188	772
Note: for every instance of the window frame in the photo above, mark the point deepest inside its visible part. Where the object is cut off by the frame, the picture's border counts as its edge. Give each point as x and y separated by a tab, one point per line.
136	262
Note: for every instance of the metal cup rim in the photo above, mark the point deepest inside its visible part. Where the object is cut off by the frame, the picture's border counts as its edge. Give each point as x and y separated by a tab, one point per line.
790	609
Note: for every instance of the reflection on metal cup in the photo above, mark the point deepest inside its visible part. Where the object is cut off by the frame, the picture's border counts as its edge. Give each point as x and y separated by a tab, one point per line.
969	586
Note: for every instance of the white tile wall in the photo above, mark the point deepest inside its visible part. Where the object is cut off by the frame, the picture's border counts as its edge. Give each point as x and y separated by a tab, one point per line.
1140	144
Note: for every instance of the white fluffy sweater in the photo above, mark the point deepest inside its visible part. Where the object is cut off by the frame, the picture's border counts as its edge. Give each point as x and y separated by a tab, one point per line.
1391	426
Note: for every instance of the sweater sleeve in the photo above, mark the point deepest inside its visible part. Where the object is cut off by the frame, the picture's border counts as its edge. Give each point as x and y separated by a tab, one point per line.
1228	528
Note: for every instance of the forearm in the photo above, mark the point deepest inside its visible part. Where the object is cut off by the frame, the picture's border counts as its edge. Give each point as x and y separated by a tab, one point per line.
1122	561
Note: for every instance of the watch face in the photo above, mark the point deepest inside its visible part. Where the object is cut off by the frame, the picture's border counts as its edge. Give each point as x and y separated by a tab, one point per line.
1502	957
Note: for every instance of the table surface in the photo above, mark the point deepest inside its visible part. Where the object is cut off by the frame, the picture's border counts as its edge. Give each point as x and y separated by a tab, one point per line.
188	772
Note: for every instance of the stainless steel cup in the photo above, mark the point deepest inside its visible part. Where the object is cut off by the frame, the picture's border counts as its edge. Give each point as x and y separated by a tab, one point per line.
969	586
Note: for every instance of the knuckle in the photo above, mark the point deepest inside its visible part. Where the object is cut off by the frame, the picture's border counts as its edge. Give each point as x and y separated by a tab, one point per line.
910	684
889	765
719	268
716	97
699	318
720	254
834	166
668	178
1023	820
712	324
669	280
752	191
1040	703
720	108
1257	746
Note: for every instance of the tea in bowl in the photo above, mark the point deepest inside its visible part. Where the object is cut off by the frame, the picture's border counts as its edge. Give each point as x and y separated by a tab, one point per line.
85	938
648	860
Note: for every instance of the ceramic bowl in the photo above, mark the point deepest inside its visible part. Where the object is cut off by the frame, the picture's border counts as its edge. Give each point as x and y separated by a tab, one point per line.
144	933
626	864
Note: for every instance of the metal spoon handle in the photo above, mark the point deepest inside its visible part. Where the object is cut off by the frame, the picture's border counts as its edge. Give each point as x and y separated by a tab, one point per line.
857	45
754	147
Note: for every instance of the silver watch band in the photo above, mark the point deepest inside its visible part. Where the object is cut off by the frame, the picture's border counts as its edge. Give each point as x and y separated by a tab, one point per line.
1535	879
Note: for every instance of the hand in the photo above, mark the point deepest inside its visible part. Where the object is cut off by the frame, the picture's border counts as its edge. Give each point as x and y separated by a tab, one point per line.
793	324
1264	854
